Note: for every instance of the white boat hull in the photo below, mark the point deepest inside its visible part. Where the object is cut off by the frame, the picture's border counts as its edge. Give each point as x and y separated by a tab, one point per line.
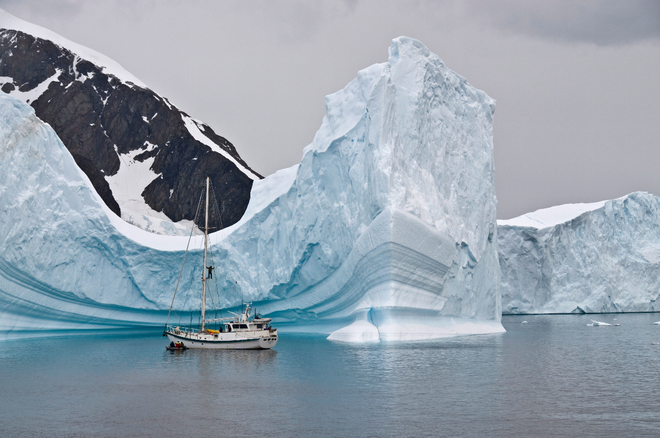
224	341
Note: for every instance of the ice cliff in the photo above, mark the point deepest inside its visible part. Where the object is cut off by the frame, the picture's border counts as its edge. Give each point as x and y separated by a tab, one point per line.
583	258
385	231
63	264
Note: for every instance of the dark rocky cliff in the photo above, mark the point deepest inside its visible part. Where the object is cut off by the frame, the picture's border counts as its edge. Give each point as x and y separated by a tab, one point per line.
98	117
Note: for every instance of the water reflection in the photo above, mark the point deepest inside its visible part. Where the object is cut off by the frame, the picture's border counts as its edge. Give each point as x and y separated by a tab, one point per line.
551	377
250	359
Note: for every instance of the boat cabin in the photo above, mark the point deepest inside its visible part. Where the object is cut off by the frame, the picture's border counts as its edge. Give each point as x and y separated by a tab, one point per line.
258	324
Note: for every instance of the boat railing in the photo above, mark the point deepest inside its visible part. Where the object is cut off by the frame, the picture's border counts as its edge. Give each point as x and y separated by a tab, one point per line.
179	330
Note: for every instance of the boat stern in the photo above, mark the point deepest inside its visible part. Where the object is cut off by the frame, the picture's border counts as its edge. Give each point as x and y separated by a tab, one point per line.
269	341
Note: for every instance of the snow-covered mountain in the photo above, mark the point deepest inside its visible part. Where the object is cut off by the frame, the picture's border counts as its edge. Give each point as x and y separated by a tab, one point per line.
576	258
385	231
144	157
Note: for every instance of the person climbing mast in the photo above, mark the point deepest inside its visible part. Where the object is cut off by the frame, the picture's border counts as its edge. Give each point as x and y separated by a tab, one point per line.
210	268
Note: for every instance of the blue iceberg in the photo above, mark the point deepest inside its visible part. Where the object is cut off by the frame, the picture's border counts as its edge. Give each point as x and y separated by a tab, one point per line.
385	231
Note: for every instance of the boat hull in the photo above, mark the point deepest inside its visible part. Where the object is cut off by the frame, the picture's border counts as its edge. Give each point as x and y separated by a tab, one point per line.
238	343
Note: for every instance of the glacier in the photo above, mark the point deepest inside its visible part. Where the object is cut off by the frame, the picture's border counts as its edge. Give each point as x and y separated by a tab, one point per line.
385	231
583	258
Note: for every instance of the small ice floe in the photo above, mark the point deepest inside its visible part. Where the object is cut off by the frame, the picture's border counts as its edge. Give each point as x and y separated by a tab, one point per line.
597	323
617	324
656	323
655	343
524	322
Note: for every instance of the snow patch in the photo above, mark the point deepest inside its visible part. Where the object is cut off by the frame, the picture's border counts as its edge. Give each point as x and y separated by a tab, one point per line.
127	186
36	92
551	216
193	128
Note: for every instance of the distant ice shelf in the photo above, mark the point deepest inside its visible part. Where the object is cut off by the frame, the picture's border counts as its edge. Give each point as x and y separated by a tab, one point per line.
583	258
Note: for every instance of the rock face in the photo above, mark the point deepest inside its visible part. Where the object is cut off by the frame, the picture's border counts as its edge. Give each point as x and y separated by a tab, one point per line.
597	258
106	122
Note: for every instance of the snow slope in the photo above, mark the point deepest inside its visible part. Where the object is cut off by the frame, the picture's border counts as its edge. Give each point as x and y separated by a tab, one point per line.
109	66
135	173
385	231
552	216
593	258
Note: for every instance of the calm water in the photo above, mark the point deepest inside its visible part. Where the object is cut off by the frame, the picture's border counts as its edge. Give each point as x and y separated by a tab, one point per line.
553	376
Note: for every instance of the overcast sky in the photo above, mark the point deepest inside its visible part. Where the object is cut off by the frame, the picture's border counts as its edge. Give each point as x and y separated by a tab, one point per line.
577	83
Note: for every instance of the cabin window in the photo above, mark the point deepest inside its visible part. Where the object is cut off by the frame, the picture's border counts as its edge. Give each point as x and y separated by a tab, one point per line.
259	326
243	326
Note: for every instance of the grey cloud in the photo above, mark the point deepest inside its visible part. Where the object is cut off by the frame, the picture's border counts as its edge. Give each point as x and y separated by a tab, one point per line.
604	22
42	7
574	122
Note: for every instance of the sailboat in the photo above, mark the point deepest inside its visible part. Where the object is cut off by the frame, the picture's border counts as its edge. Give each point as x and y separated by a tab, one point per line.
240	332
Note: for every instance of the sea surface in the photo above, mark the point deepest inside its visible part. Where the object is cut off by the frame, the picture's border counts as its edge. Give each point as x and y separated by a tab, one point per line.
552	376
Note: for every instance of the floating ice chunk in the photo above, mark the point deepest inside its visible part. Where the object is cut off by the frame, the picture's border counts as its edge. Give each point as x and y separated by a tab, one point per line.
597	323
656	323
359	331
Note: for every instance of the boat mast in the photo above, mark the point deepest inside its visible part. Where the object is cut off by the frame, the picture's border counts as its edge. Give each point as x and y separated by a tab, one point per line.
206	235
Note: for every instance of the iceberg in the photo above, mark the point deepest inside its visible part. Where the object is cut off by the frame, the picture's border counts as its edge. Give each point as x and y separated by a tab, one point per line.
583	258
385	231
64	262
